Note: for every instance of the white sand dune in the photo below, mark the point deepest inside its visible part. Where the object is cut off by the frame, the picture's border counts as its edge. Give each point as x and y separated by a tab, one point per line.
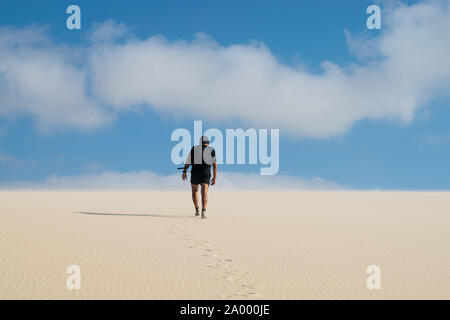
254	245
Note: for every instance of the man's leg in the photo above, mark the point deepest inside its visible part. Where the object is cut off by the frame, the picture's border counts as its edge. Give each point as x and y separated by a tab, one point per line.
194	188
204	198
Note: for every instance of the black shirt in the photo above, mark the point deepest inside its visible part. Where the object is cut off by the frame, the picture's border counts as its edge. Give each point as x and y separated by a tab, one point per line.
202	157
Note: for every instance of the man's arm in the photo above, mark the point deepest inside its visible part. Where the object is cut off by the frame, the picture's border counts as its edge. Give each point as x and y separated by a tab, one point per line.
186	166
213	181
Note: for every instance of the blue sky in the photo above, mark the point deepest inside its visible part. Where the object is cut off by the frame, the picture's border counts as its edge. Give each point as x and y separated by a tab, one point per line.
373	152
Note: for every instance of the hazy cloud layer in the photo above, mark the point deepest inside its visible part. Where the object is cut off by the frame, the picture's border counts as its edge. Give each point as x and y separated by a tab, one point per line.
147	180
60	86
7	161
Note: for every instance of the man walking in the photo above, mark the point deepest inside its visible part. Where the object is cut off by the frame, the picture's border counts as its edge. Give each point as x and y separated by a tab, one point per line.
201	158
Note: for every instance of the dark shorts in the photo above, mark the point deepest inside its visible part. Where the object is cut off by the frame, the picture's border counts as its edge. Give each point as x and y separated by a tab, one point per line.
200	177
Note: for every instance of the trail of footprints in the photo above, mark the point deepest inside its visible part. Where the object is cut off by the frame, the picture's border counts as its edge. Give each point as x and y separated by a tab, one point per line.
222	268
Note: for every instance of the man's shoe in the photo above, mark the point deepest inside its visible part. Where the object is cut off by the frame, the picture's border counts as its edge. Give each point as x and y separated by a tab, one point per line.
203	213
196	212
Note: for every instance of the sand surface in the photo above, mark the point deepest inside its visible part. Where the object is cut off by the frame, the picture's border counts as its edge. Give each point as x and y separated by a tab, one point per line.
254	245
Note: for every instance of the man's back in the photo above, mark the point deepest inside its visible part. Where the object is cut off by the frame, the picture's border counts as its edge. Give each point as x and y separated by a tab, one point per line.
202	157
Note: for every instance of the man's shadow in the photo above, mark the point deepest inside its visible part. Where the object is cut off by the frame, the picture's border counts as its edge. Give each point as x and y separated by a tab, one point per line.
137	215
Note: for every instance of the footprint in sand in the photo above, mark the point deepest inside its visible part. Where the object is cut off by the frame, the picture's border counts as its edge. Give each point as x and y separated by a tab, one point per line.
223	268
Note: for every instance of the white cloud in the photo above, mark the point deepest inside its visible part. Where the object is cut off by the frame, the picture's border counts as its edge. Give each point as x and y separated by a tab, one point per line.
41	79
436	138
209	81
147	180
108	31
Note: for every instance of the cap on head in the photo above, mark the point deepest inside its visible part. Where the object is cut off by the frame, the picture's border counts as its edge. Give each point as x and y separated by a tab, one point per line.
204	140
